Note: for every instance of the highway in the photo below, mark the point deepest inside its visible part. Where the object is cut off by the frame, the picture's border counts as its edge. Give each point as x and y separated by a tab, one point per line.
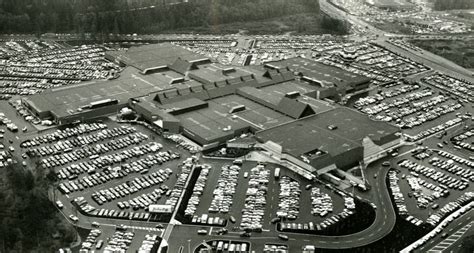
429	59
438	244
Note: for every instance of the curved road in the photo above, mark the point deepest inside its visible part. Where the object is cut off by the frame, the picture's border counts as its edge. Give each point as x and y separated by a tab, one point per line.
383	224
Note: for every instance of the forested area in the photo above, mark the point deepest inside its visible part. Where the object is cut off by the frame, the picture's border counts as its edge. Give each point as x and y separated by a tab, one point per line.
28	219
122	16
441	5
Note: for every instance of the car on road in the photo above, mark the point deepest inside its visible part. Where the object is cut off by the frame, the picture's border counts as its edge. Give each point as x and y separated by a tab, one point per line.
245	234
283	237
202	232
59	204
275	220
95	224
73	218
222	231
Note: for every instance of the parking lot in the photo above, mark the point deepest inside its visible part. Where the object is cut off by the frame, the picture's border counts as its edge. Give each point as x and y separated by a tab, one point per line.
464	140
34	66
110	169
255	198
419	109
430	181
109	238
372	61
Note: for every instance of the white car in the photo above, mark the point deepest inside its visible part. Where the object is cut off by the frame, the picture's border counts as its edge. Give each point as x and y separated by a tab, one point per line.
202	231
73	218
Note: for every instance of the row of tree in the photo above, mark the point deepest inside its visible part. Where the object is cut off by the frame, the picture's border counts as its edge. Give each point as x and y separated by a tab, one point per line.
441	5
127	16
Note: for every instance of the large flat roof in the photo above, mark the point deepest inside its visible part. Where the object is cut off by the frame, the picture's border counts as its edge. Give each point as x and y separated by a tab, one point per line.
310	133
281	89
321	72
218	73
65	101
209	123
154	55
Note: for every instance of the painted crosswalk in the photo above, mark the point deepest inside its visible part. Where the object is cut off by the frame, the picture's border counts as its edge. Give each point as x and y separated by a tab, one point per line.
446	243
146	228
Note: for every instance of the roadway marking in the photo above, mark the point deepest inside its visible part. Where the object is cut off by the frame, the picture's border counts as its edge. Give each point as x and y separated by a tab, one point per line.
446	243
145	228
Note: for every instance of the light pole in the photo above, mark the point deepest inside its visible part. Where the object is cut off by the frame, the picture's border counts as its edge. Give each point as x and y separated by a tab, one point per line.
189	245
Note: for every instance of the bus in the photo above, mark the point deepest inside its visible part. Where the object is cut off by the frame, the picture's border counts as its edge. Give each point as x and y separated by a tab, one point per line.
277	173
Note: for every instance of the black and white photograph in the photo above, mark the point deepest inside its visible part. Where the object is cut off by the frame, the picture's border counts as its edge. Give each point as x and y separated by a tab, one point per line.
236	126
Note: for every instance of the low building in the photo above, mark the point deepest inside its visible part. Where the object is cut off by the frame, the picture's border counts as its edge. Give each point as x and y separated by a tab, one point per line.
339	138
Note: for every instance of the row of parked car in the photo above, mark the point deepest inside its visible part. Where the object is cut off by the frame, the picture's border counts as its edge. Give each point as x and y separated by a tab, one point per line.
23	111
269	248
388	92
225	189
142	164
93	152
144	200
184	143
443	224
198	190
373	61
399	199
397	194
67	145
132	186
206	219
89	210
4	120
437	190
180	184
108	174
438	176
120	241
11	48
61	134
321	202
434	130
432	114
422	199
91	243
451	167
460	140
400	102
450	207
149	243
289	197
255	199
457	87
456	158
78	63
311	226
